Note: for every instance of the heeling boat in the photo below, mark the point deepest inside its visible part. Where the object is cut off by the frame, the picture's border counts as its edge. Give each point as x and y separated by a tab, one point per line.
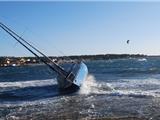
75	77
67	80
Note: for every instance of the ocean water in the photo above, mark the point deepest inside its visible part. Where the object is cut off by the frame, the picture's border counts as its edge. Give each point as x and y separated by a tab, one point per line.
120	89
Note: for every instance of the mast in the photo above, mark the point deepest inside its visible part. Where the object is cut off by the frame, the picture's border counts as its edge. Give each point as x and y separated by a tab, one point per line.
55	67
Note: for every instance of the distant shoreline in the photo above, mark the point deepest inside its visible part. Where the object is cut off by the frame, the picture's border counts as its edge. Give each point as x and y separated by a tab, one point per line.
19	61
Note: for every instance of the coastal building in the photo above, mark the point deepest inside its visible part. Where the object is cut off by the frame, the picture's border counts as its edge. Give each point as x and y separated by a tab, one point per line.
34	60
28	60
22	61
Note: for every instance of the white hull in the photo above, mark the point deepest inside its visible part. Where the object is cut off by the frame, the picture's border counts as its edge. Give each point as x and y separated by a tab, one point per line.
80	72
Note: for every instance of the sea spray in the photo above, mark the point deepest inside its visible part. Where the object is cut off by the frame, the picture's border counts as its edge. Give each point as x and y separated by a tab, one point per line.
91	86
88	85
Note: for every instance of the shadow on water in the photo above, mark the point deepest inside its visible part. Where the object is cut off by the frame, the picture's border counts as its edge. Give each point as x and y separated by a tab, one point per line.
32	93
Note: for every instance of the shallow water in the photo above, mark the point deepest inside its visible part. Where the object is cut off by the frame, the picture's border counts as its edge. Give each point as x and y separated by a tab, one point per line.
114	89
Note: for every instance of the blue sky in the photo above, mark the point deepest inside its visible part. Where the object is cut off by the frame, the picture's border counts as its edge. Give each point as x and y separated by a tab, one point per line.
80	28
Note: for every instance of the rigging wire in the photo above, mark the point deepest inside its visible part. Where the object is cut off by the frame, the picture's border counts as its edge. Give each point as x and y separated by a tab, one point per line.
12	33
36	34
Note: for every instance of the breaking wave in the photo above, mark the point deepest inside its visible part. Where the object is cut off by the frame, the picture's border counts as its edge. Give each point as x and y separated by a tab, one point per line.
23	84
142	60
131	88
146	87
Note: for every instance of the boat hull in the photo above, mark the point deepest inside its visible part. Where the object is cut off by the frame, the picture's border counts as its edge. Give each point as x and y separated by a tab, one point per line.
80	72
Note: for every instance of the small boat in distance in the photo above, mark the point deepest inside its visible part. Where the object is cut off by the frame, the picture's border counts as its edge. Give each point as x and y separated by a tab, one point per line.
67	80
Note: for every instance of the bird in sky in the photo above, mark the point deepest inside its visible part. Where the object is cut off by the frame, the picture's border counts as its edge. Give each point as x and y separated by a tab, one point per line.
128	41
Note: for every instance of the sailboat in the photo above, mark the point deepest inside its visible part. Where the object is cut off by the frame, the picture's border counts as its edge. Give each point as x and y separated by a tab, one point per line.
67	80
